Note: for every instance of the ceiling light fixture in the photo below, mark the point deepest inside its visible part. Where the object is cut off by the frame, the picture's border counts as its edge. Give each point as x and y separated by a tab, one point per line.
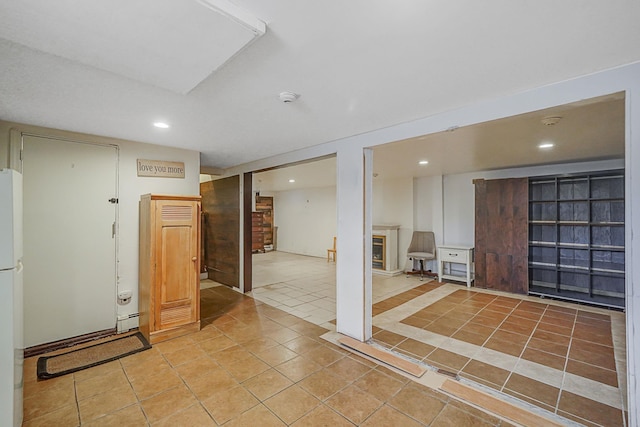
287	97
551	120
423	162
161	125
292	181
546	145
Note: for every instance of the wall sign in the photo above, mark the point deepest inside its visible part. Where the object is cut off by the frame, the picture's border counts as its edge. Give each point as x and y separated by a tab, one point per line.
160	168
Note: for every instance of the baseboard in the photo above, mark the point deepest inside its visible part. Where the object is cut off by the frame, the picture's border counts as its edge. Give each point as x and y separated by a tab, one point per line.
167	334
389	273
67	342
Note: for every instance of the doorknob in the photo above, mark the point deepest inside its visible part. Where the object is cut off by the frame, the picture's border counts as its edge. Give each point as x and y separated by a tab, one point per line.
194	259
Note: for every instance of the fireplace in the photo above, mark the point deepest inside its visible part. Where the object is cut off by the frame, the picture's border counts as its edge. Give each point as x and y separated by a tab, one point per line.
384	249
378	252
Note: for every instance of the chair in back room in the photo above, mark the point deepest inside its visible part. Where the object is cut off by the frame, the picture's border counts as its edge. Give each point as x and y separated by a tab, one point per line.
331	253
422	248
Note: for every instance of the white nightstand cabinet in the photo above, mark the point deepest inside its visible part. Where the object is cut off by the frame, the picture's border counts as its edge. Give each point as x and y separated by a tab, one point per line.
455	254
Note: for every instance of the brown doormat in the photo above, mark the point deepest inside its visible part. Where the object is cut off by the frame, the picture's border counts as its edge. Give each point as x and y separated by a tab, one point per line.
97	354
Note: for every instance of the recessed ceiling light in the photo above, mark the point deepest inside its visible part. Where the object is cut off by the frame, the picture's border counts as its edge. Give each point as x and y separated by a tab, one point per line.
292	180
423	162
161	125
546	145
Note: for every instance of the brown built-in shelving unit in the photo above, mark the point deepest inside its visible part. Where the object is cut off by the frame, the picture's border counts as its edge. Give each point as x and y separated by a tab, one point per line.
577	238
264	204
257	233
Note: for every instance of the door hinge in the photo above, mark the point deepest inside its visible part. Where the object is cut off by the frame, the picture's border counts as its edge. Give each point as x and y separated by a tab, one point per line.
113	230
113	200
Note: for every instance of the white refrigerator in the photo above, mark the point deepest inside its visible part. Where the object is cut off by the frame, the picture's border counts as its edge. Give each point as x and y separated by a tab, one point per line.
11	322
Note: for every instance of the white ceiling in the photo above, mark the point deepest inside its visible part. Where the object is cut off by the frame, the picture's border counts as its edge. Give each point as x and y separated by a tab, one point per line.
169	44
588	130
359	65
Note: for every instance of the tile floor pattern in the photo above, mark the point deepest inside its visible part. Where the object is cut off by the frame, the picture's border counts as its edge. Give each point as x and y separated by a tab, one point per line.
565	358
305	286
250	365
300	285
191	380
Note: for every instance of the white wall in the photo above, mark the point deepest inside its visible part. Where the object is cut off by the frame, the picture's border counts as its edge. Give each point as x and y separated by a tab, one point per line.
393	205
306	220
427	207
130	187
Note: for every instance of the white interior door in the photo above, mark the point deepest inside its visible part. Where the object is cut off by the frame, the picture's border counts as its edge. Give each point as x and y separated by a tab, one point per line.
69	248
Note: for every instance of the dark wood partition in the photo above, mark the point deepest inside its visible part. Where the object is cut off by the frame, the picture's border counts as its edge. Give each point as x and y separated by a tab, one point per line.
221	209
246	224
501	234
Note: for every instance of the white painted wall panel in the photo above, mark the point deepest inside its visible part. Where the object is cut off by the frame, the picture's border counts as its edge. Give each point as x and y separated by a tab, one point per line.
393	204
306	220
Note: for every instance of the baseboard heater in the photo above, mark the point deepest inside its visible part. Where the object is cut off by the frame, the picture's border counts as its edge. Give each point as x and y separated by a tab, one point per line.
126	322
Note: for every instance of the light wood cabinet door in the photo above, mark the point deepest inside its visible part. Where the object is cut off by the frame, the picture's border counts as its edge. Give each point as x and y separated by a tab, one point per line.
169	298
176	262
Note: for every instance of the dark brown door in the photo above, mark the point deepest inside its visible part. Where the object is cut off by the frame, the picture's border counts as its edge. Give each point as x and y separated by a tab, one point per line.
501	235
221	210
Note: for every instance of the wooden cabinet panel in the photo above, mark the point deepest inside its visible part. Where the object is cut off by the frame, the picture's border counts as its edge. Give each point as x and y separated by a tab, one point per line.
169	266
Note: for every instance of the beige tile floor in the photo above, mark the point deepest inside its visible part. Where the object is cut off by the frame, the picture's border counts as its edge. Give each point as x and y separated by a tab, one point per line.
306	286
249	365
550	369
254	364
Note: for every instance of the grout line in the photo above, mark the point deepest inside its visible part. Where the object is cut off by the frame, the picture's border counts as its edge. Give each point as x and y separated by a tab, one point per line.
566	362
511	371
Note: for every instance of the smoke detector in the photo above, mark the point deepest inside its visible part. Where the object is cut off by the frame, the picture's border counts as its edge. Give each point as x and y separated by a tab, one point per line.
288	96
551	120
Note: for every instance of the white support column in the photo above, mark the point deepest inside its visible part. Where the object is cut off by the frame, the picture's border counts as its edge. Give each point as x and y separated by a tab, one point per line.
353	269
632	251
